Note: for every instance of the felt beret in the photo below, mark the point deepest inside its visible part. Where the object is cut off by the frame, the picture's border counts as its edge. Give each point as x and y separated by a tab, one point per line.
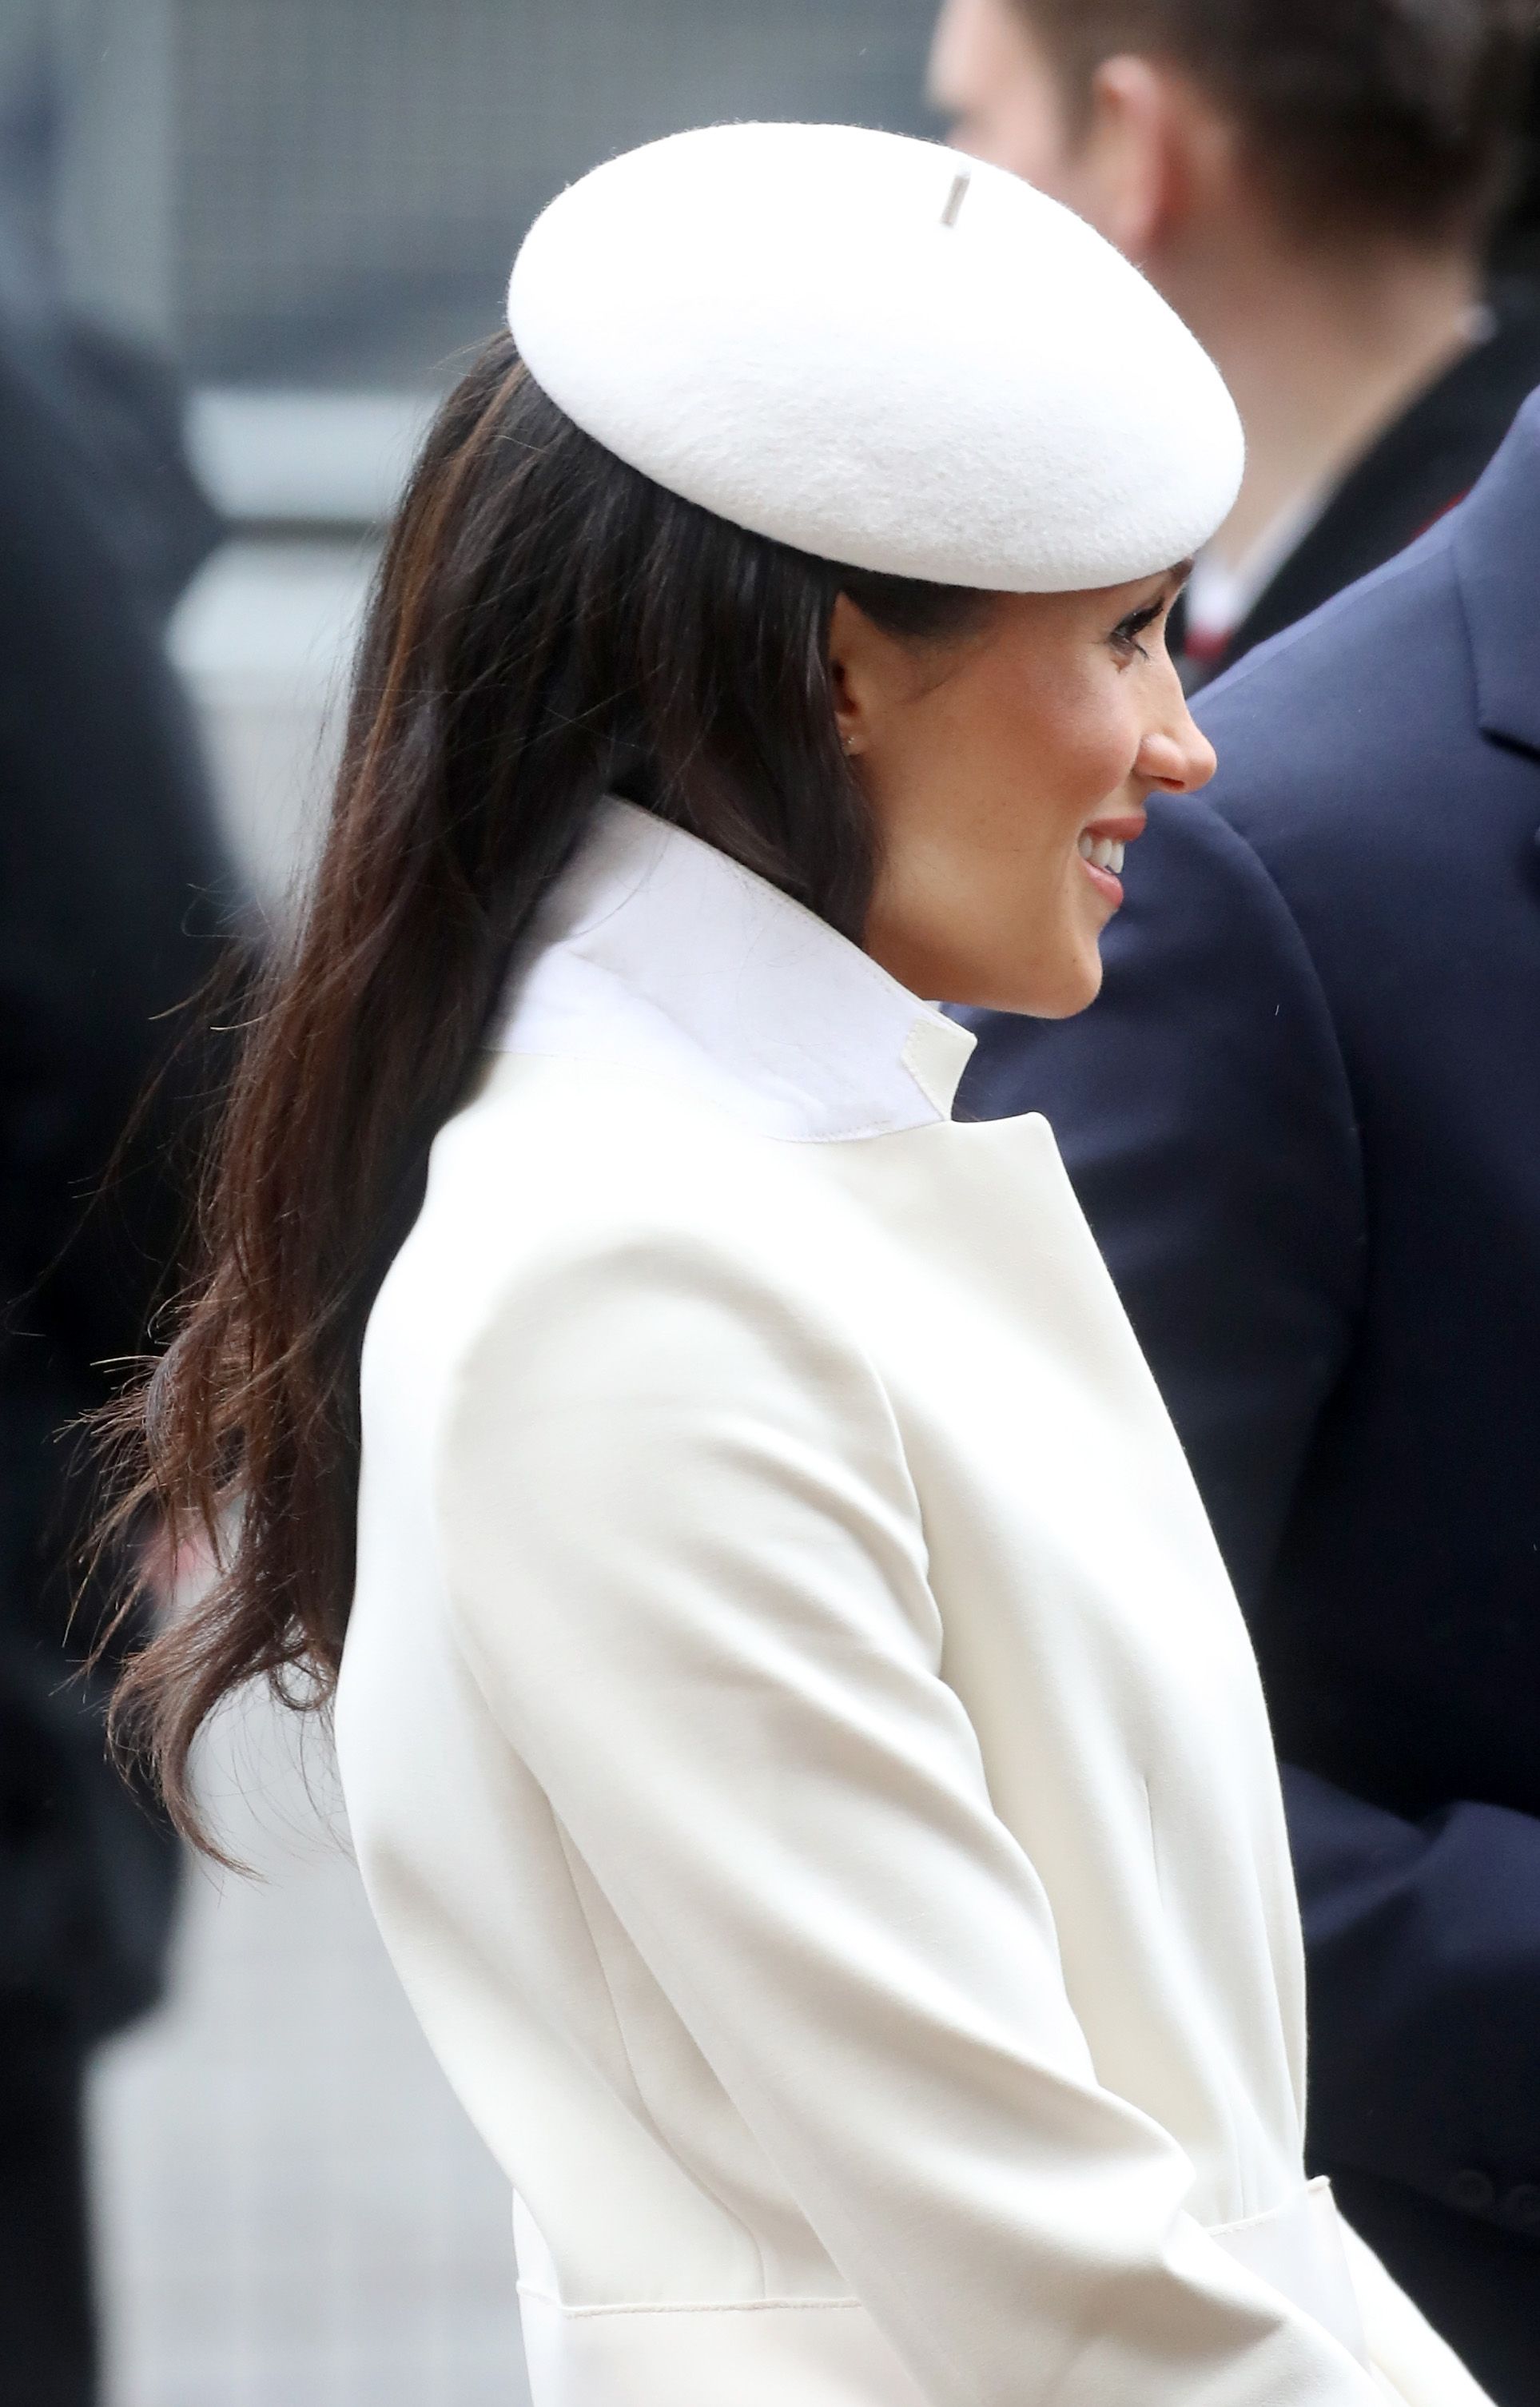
878	351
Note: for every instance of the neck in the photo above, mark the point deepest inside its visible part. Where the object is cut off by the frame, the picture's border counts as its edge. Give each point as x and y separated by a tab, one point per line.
1322	352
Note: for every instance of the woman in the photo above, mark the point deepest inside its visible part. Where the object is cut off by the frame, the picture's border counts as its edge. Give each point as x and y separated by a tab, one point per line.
801	1746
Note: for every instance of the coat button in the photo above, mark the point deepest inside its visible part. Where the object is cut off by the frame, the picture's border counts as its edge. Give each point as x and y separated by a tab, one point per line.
1521	2207
1472	2191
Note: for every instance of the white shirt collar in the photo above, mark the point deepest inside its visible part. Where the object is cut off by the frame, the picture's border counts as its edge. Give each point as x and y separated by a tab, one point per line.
657	952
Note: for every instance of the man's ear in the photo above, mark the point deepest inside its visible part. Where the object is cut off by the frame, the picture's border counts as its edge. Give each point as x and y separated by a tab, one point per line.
1133	156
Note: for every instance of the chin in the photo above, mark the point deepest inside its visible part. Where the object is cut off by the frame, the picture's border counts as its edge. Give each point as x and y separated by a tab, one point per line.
1035	1001
1056	988
1073	989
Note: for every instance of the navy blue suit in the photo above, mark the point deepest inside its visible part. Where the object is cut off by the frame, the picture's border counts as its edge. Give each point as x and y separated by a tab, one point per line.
1303	1118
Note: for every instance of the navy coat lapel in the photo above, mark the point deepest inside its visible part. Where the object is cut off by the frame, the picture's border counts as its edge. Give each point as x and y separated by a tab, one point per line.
1496	536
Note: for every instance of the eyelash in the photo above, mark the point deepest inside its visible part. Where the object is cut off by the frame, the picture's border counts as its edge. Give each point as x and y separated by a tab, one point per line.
1125	637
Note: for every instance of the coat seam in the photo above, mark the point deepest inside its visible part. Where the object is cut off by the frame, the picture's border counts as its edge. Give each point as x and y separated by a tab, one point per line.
569	1856
693	2306
1267	2214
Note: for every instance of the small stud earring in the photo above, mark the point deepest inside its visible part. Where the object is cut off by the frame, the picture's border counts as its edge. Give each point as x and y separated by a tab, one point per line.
848	742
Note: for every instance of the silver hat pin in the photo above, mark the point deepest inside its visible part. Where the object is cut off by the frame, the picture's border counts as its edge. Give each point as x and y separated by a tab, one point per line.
955	198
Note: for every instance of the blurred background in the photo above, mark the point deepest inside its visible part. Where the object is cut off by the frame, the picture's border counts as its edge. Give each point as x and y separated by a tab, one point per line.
311	206
307	209
273	226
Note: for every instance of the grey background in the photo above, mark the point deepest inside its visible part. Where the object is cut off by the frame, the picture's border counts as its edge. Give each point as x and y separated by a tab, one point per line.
328	192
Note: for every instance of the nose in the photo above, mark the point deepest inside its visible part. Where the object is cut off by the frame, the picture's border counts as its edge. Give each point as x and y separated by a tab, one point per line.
1177	755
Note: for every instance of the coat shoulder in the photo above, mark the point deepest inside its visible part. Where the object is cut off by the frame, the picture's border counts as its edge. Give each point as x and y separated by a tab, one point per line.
569	1178
1379	679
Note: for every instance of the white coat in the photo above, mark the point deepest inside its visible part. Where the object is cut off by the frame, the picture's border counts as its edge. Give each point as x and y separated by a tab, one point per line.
799	1742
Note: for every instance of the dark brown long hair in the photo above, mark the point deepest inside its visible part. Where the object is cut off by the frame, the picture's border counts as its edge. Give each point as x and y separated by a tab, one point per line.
547	626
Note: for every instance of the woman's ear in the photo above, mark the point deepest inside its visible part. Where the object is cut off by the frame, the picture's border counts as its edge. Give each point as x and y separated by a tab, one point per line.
856	675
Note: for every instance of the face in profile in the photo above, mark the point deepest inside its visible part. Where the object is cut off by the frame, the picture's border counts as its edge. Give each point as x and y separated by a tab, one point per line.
1007	769
1001	94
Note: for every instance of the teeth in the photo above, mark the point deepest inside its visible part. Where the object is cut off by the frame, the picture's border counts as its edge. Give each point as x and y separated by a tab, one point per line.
1103	852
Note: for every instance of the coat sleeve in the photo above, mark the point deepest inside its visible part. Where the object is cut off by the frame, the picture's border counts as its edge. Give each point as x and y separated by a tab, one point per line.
1204	1115
1412	2363
1423	1937
687	1572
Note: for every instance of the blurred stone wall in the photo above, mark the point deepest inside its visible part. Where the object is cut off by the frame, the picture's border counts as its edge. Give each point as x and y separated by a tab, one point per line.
302	193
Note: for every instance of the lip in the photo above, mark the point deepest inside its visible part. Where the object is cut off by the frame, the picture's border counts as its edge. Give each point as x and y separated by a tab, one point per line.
1109	887
1120	827
1123	826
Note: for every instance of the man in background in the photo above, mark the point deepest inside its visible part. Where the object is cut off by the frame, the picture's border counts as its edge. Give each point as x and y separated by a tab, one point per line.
109	879
1304	1118
1312	186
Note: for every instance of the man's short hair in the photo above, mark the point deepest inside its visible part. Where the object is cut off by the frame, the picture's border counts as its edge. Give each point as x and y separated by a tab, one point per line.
1395	117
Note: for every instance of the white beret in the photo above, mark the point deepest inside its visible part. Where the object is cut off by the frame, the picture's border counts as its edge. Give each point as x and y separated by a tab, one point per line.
878	351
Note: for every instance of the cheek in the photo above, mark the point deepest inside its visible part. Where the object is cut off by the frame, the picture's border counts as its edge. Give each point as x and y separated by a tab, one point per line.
987	65
1031	138
1055	757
